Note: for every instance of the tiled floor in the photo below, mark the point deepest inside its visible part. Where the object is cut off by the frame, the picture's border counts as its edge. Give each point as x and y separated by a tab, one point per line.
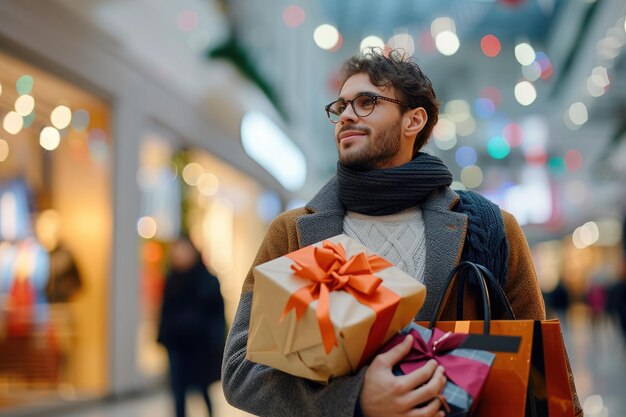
159	404
597	353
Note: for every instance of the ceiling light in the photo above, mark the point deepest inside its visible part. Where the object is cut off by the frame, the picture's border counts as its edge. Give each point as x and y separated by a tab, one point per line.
268	145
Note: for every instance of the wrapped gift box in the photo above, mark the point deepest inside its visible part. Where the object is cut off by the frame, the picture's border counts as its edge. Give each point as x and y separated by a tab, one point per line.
465	369
322	311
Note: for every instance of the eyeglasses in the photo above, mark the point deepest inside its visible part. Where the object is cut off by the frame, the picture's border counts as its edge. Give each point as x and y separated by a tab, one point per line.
363	105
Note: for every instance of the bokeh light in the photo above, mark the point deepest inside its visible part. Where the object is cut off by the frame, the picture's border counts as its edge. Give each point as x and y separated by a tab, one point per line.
490	45
442	24
525	93
578	114
12	122
293	16
512	133
29	119
24	105
484	108
524	53
472	176
49	138
192	172
4	150
208	184
187	20
584	236
61	117
536	156
371	42
447	43
498	148
492	93
146	227
465	156
24	84
556	166
326	36
80	120
457	110
447	144
426	42
466	127
403	41
544	64
532	72
444	130
573	160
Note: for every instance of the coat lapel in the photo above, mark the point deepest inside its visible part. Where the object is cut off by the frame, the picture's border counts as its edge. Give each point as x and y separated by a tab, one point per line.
326	218
445	232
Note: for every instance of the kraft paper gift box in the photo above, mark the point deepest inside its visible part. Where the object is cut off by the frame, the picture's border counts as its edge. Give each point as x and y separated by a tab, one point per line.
322	311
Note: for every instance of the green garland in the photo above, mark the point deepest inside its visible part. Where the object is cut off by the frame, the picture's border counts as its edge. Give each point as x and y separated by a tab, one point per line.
232	51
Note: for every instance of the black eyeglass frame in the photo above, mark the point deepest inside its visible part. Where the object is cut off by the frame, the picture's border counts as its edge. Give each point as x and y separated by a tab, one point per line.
373	96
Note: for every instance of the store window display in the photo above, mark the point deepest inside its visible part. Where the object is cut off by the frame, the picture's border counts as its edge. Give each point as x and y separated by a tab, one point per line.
55	237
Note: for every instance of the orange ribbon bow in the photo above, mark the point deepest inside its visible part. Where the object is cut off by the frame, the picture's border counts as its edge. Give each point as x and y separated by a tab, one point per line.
328	270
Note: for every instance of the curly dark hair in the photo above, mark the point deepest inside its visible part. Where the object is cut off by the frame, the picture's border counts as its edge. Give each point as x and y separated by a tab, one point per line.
396	69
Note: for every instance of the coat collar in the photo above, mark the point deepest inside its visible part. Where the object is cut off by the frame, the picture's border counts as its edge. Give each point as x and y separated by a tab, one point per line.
445	234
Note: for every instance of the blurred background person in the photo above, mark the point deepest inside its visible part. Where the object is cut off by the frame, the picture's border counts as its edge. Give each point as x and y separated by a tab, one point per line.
192	325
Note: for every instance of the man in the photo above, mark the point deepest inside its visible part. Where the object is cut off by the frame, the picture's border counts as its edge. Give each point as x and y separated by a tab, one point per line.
397	201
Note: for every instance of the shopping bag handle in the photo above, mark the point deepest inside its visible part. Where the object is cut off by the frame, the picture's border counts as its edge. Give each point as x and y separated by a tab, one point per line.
499	293
456	273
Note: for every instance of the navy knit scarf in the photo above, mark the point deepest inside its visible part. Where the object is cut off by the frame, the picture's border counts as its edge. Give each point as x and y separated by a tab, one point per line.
386	191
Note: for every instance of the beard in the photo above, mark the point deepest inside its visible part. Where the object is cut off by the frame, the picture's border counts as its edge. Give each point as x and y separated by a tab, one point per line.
378	149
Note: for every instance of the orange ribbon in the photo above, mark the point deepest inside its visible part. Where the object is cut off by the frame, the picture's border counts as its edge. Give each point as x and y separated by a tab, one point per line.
328	270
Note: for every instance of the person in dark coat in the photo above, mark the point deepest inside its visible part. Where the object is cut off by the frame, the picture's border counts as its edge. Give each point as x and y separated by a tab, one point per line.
192	326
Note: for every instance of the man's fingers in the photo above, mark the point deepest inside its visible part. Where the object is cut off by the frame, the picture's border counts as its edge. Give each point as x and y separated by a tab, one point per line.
429	410
428	386
421	375
395	354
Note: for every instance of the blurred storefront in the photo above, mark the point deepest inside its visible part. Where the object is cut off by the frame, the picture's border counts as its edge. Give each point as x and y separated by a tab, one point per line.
55	236
191	191
101	165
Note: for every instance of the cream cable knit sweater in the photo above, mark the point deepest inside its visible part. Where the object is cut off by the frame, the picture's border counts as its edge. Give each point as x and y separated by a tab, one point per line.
399	237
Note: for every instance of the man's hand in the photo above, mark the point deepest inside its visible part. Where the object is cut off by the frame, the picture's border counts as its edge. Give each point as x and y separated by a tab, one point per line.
385	395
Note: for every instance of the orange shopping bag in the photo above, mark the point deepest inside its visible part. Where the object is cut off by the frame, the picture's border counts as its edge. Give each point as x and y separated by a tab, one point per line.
536	380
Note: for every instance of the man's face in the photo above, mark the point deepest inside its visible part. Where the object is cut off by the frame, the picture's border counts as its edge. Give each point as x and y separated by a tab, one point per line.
370	142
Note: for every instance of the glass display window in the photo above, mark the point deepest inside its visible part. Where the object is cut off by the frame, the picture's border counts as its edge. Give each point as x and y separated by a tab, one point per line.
55	237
